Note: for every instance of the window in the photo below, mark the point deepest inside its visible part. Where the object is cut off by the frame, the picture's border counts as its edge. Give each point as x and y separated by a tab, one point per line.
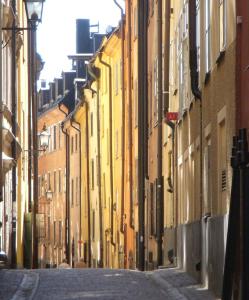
72	192
207	37
198	34
222	166
59	179
135	25
92	163
48	230
55	182
151	223
59	136
104	191
60	234
108	147
77	191
54	232
72	145
156	91
93	225
54	138
76	142
49	181
136	102
91	124
116	145
222	27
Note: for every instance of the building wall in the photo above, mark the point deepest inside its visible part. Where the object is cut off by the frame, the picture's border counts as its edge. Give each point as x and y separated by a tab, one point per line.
81	116
52	177
75	195
203	136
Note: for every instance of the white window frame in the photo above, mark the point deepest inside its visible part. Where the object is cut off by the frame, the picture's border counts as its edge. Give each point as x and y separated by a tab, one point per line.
222	24
207	36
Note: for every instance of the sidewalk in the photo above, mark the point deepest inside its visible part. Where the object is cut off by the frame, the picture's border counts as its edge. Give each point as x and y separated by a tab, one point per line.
179	285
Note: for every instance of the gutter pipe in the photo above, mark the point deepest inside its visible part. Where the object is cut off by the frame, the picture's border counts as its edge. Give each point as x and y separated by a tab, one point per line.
1	115
160	206
72	120
14	120
142	124
67	222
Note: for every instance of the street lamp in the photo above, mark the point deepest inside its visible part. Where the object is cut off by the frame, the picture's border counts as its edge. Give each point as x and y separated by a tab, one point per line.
43	137
49	194
34	9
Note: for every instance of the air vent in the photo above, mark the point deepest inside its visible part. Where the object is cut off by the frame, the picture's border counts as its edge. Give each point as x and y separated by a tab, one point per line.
223	180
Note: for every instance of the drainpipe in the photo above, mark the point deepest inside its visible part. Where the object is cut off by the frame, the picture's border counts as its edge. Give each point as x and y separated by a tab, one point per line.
72	120
195	85
123	118
110	137
93	72
29	123
13	146
160	206
142	124
67	219
131	222
88	187
195	76
193	50
1	116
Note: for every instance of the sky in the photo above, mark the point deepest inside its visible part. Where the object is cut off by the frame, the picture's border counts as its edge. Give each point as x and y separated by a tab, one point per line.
56	33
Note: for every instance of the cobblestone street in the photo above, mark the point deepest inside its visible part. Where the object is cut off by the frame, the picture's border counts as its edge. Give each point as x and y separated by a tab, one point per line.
98	284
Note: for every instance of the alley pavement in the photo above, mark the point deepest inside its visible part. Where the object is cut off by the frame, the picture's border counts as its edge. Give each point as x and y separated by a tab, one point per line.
105	284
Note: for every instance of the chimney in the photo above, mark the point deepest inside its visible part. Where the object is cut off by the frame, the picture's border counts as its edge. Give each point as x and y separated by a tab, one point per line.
52	91
68	81
58	87
83	40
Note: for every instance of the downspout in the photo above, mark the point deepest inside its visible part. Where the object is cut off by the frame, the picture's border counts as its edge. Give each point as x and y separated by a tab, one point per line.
72	120
35	143
14	120
96	78
160	206
195	76
195	87
131	222
123	118
166	107
67	221
142	86
29	123
110	137
193	50
1	116
88	188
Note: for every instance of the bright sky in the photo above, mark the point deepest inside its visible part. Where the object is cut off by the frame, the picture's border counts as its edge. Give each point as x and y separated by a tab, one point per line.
56	34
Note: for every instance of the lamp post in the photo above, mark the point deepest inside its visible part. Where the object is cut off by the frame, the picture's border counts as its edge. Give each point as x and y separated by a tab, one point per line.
34	10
